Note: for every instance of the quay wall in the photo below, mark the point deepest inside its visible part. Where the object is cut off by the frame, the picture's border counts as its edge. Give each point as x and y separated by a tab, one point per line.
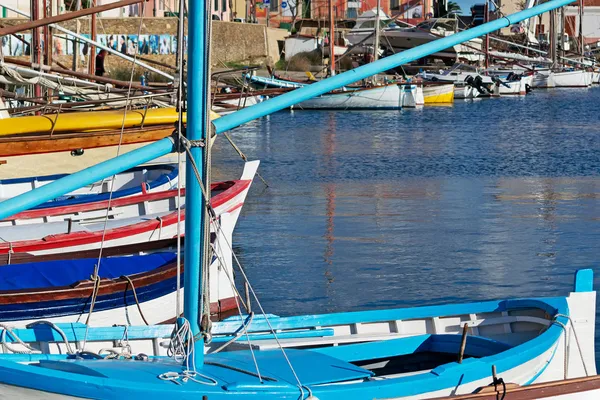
232	43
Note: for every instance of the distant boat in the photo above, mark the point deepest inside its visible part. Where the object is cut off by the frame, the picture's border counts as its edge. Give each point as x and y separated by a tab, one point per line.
387	97
434	93
400	39
572	79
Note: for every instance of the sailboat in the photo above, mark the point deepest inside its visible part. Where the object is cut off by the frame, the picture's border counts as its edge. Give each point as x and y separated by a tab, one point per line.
423	355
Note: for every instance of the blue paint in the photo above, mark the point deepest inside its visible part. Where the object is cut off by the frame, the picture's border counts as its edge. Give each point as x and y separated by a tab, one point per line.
584	280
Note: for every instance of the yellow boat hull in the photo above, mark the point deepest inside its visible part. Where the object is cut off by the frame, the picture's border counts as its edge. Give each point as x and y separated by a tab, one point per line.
88	121
438	94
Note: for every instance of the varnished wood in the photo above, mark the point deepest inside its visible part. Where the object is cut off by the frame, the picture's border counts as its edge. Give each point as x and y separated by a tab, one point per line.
537	391
39	144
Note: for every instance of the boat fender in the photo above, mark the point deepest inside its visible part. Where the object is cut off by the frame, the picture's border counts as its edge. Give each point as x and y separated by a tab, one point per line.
77	152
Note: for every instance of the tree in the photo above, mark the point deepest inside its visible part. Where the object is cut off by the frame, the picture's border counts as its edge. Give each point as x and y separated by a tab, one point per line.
452	8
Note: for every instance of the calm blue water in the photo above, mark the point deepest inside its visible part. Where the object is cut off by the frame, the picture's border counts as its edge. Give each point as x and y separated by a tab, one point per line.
482	200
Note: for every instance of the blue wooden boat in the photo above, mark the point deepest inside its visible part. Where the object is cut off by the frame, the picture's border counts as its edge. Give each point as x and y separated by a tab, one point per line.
530	340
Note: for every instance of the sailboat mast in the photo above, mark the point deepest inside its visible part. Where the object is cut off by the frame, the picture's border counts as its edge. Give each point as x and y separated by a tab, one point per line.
377	33
553	37
581	43
487	36
562	33
331	39
197	125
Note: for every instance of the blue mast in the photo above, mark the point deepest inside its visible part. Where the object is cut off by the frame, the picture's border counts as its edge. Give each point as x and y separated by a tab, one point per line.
197	125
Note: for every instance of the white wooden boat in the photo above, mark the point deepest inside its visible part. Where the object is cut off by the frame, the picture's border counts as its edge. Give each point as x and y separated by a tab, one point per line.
577	78
390	97
153	178
524	339
26	165
517	87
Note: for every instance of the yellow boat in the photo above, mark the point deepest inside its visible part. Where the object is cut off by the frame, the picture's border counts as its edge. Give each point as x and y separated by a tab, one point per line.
88	121
438	93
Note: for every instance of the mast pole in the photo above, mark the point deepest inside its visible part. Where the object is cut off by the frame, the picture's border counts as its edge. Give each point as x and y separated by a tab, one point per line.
92	63
562	33
331	39
581	43
34	45
552	34
197	126
487	36
377	32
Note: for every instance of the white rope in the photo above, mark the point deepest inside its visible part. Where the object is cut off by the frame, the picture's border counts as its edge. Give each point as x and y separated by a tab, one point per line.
181	348
576	341
244	327
8	348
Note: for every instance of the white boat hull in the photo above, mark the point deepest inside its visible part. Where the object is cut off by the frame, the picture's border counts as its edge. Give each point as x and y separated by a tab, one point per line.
381	97
572	79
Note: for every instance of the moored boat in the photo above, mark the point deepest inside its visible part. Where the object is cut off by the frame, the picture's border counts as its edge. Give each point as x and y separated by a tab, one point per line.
152	178
391	97
70	142
571	79
438	93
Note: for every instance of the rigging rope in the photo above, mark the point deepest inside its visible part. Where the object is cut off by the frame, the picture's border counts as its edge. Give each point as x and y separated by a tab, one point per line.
95	275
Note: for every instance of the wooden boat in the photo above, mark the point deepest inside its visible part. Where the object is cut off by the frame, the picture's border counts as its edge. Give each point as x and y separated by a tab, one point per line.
138	180
394	353
73	141
135	289
136	219
438	93
571	79
388	97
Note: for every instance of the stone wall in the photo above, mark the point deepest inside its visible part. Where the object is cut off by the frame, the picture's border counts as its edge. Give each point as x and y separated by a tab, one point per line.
231	42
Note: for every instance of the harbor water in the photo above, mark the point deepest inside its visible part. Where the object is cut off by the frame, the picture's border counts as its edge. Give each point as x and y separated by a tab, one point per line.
484	199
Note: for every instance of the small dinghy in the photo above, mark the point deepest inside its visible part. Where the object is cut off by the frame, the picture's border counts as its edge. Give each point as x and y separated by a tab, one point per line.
147	179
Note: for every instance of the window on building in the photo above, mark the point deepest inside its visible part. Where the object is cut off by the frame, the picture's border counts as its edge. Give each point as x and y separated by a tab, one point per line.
224	5
216	6
395	4
274	6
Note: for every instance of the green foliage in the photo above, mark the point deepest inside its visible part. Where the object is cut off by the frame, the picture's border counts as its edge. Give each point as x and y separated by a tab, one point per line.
453	7
71	5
